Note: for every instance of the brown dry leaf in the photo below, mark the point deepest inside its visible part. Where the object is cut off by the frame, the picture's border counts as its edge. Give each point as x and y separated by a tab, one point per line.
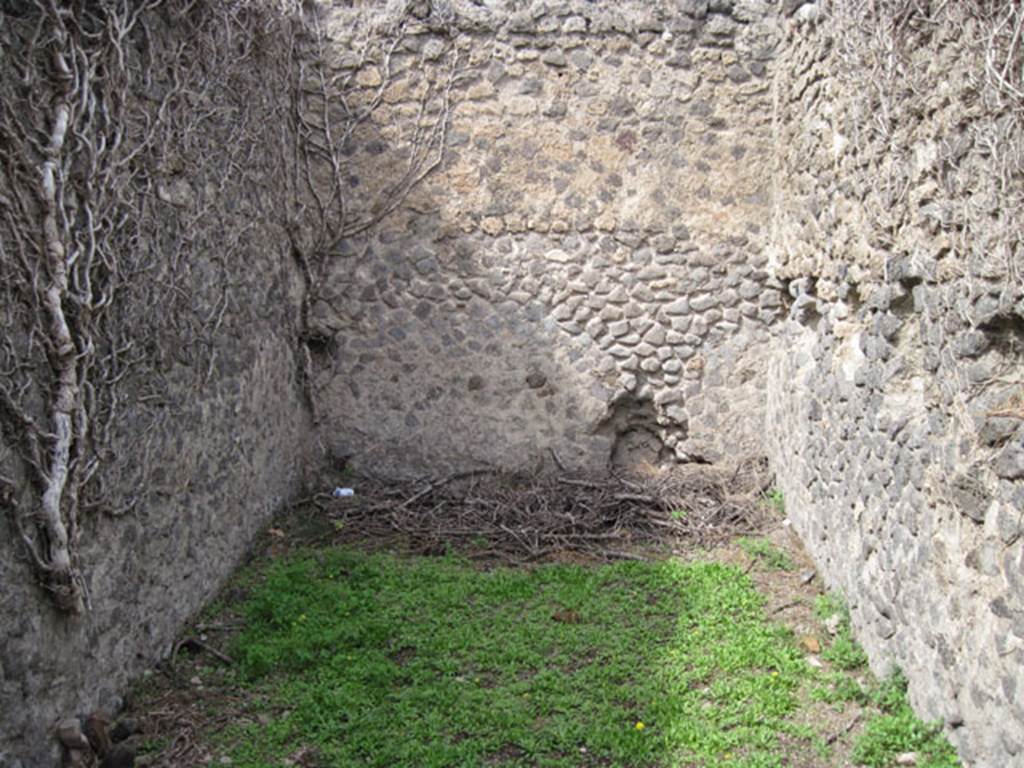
810	644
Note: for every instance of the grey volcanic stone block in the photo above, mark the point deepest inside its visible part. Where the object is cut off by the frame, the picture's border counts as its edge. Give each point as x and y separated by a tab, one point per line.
1009	464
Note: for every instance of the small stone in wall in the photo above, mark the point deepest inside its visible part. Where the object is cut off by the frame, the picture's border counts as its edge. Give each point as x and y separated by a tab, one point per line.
433	50
656	335
176	192
558	255
492	225
971	497
663	243
1010	519
575	25
672	366
678	307
738	74
1009	464
536	380
996	430
618	329
626	141
970	343
369	78
555	109
554	58
618	295
808	13
814	411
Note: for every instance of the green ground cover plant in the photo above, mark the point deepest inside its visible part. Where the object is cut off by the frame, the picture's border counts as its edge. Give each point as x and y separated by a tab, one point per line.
896	730
892	729
340	657
376	660
761	549
774	500
844	652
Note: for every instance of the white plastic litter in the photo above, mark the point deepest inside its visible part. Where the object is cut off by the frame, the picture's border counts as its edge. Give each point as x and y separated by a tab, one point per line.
340	493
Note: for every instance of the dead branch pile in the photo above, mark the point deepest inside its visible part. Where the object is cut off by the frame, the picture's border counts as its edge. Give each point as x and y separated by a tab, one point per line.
526	518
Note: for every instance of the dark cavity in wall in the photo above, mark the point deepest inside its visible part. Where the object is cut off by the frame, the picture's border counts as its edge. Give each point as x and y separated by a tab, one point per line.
632	424
1006	333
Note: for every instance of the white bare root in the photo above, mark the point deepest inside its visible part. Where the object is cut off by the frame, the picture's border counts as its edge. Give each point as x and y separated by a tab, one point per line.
138	169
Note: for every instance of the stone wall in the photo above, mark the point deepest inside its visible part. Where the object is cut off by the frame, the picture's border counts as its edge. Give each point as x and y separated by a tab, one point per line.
654	228
230	458
895	392
581	281
210	432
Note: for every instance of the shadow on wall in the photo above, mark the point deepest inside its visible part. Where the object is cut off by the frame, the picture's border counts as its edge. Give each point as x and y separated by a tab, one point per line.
448	352
434	360
580	275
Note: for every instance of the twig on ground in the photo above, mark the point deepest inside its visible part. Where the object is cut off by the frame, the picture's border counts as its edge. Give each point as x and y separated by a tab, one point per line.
843	731
196	644
786	606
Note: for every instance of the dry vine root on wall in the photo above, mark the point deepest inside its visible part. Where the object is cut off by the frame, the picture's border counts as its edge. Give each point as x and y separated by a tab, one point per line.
143	146
339	95
936	154
129	157
932	129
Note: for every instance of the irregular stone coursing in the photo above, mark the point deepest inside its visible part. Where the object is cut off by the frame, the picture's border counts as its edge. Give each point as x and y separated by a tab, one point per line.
540	343
593	275
211	432
594	226
229	460
895	398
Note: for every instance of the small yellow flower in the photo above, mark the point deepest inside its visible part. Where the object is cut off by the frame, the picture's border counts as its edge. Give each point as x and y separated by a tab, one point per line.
639	726
774	673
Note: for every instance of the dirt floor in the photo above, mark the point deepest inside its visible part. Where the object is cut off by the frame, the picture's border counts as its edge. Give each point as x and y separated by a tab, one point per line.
497	520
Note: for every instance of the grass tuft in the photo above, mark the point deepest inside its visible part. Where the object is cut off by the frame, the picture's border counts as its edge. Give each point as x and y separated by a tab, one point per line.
840	688
763	550
774	500
844	652
896	730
